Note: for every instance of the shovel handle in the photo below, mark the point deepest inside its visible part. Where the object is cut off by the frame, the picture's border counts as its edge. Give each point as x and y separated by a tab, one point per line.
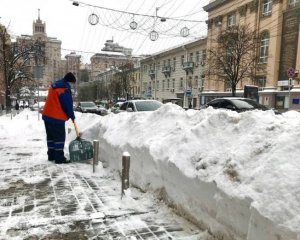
76	129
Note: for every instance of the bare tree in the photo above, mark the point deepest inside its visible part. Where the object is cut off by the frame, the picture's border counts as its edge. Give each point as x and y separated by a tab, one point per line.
126	71
17	60
233	56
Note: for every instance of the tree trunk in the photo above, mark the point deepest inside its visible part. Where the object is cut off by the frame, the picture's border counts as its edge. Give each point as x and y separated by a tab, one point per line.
7	99
233	91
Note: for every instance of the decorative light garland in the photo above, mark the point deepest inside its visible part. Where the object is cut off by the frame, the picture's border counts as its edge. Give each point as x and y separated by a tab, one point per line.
93	19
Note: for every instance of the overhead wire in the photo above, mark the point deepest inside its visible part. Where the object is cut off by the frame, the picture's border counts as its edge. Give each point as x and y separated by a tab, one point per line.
169	36
131	13
149	27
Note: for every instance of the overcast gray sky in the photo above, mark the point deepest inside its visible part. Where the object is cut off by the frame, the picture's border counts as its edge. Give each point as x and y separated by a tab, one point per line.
70	23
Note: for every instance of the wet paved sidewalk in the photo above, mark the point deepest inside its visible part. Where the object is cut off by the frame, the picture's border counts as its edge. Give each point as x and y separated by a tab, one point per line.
49	201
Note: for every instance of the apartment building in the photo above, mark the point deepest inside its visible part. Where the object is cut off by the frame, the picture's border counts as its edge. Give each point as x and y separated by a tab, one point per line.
176	74
277	25
54	67
112	56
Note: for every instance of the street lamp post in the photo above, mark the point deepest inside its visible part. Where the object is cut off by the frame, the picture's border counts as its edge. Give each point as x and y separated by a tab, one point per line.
37	73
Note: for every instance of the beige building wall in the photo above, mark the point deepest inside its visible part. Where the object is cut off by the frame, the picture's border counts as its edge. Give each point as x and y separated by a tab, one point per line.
111	57
73	62
53	61
165	77
136	83
101	62
283	14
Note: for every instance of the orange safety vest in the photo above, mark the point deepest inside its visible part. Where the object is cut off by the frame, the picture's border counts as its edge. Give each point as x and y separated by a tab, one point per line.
53	106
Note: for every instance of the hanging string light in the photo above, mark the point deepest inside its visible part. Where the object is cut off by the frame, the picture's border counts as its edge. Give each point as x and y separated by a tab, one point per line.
133	24
184	32
153	35
93	19
156	30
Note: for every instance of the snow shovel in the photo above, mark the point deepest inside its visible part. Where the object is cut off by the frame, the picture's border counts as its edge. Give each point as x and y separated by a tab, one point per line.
80	149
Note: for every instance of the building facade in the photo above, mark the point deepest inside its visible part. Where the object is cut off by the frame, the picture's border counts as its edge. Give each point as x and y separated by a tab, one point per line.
277	25
111	57
72	64
176	74
53	67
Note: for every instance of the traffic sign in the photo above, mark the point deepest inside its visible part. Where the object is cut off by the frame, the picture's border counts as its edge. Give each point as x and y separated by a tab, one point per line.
291	72
188	93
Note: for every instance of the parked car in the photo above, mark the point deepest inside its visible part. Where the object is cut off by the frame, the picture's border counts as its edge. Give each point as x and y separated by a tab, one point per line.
88	107
116	107
103	110
140	105
36	106
236	104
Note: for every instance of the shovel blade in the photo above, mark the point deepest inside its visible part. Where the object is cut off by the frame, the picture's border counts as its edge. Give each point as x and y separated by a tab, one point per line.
80	150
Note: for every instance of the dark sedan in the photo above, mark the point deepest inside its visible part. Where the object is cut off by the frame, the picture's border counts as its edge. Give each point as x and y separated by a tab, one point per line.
88	107
236	104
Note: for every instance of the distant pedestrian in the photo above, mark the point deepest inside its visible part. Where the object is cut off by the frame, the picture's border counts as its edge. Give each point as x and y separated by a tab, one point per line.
17	107
57	110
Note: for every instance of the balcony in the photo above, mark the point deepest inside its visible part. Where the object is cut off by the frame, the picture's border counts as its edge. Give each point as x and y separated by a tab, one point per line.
166	70
188	66
151	74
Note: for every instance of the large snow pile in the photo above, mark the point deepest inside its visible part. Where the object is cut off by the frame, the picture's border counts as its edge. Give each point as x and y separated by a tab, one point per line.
208	162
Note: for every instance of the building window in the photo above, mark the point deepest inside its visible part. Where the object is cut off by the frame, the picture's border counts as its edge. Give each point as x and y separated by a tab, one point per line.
203	55
158	65
261	81
264	48
197	56
196	82
174	64
267	8
231	20
293	3
157	85
168	84
182	59
169	62
173	83
190	83
181	83
163	85
191	57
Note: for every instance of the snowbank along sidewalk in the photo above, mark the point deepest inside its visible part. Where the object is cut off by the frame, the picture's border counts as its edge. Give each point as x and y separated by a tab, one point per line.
236	174
42	200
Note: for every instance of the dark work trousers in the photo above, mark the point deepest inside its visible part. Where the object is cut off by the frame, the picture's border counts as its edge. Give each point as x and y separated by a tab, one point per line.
56	136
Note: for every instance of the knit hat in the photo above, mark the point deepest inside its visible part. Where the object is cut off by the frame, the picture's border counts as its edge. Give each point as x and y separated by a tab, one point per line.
69	77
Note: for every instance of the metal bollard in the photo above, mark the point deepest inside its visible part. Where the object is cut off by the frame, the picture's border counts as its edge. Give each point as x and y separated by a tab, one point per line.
125	171
96	153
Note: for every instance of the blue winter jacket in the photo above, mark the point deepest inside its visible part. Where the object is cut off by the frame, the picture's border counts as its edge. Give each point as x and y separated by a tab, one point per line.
59	103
